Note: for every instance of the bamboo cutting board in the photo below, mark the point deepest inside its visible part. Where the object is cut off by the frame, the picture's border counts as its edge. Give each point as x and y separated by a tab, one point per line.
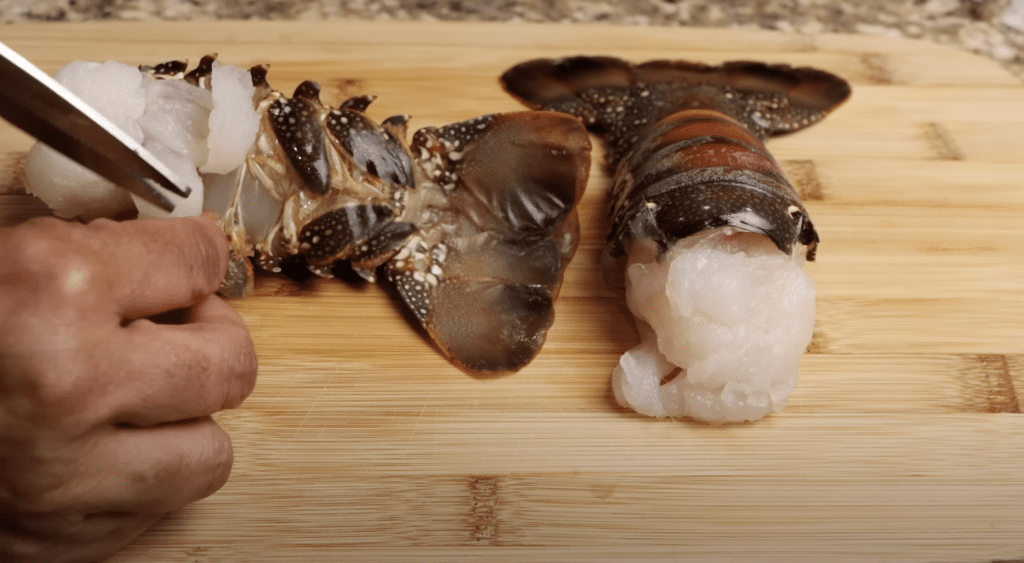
903	441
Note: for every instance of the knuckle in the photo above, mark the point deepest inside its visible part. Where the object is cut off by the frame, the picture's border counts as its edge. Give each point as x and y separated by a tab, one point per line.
57	394
206	249
46	255
51	390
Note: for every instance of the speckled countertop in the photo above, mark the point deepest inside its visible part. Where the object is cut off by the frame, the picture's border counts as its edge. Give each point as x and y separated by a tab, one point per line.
994	28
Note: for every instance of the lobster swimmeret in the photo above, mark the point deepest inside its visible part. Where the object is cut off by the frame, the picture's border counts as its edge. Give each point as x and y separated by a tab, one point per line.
472	223
704	224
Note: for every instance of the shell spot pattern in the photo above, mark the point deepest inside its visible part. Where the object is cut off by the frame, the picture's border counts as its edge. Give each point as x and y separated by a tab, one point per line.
471	223
297	127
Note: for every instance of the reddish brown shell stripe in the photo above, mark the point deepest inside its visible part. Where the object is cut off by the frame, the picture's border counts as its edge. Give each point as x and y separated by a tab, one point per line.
685	140
697	169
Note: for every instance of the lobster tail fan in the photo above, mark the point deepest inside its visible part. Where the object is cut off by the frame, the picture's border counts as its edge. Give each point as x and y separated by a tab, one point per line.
769	99
555	84
483	280
525	172
819	90
810	88
809	94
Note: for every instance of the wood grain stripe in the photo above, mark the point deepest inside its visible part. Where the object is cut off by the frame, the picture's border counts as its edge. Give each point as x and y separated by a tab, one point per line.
876	68
803	175
16	209
12	172
484	494
989	385
941	142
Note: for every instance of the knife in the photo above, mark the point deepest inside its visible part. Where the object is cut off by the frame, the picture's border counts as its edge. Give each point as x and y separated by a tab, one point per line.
45	109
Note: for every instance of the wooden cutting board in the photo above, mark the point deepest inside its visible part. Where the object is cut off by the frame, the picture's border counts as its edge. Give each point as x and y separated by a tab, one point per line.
903	441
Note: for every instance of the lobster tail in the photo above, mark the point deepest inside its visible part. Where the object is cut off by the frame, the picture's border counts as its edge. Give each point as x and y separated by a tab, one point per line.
686	140
696	204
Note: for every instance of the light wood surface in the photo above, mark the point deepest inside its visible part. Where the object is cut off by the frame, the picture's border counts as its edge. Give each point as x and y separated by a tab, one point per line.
903	441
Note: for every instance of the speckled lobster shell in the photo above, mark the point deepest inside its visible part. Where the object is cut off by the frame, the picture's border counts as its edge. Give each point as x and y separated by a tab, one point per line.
472	223
686	140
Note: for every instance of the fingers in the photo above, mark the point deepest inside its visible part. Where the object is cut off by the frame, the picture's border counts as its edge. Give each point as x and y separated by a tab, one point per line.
170	466
49	537
157	265
152	470
140	268
178	372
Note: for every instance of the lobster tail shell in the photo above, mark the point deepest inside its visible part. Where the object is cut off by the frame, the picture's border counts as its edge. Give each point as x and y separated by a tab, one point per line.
686	140
296	124
790	97
808	89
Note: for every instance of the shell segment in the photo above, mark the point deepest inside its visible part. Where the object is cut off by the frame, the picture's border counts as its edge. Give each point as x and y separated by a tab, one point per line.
200	76
335	235
377	249
169	69
296	124
373	148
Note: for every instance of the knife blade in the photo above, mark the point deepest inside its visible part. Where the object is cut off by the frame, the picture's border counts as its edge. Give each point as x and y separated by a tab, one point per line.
45	109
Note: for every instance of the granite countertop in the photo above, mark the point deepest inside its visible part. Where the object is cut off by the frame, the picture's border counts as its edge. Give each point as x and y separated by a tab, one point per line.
993	28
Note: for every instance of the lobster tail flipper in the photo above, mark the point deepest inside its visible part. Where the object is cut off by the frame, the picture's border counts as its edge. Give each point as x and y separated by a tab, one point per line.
483	277
769	99
555	84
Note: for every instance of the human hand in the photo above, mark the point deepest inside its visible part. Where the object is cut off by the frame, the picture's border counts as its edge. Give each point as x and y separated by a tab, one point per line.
105	414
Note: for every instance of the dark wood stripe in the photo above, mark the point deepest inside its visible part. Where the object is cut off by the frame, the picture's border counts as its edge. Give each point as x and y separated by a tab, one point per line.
803	176
484	495
941	142
12	173
819	342
989	384
877	68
